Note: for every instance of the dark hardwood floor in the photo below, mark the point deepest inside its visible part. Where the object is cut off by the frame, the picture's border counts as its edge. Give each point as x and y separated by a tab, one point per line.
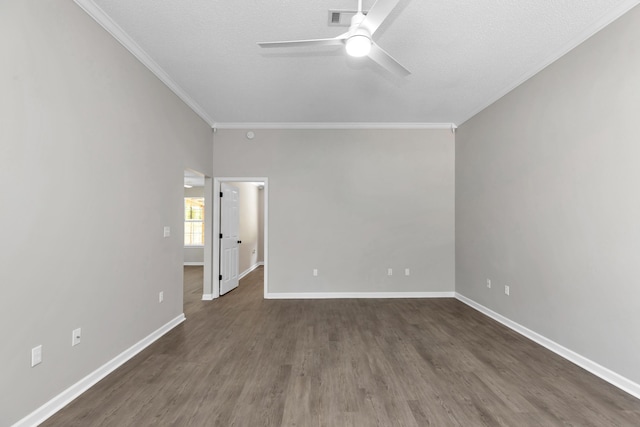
245	361
192	299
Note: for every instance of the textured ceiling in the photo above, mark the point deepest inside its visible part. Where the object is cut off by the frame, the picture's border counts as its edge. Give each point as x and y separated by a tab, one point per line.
463	55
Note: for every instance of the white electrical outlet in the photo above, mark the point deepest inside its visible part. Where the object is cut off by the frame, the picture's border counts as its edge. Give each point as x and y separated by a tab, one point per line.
389	271
315	271
407	272
161	296
489	283
75	336
36	356
506	289
167	231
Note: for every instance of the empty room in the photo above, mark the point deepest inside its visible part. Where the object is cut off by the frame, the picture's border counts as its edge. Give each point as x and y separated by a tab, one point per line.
445	213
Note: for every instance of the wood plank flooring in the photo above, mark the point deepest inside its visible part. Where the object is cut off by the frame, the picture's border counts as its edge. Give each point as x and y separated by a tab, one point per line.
245	361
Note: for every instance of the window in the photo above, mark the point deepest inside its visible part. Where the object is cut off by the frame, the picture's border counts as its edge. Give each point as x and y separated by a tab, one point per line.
194	221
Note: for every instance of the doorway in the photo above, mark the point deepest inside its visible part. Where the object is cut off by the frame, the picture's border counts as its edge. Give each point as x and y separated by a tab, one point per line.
262	185
197	226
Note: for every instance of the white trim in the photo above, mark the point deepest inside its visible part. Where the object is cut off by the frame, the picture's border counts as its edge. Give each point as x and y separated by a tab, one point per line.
364	125
54	405
606	374
341	295
94	11
591	30
193	263
207	270
207	297
249	270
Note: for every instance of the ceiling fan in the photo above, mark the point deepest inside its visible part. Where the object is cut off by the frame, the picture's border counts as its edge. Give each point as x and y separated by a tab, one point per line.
358	40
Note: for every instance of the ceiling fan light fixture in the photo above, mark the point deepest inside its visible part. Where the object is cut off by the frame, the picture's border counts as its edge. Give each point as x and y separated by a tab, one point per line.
358	45
358	40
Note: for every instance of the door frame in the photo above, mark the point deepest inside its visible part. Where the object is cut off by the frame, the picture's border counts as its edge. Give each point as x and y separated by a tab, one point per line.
214	290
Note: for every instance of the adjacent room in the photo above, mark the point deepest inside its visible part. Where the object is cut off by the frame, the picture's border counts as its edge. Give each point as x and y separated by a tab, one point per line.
434	213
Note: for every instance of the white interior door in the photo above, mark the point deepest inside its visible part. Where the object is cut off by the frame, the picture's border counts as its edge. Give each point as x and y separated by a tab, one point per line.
230	237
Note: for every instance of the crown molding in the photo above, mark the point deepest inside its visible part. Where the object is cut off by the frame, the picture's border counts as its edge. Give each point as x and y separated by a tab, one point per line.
591	30
335	125
94	11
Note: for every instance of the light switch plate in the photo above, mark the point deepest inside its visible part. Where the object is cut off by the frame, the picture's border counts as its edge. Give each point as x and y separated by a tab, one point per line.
75	337
36	356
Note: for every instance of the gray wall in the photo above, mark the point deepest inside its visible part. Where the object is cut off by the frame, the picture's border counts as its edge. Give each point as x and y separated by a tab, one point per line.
101	145
194	255
547	201
352	203
194	192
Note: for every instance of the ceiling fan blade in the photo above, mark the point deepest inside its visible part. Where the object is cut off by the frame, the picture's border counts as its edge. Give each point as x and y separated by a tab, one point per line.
377	14
387	61
334	41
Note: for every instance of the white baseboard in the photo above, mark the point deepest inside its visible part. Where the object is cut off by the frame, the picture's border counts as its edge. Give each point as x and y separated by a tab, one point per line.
207	297
54	405
249	270
190	263
606	374
338	295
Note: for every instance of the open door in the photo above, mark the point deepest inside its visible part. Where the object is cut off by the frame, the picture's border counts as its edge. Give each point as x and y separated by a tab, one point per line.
229	237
